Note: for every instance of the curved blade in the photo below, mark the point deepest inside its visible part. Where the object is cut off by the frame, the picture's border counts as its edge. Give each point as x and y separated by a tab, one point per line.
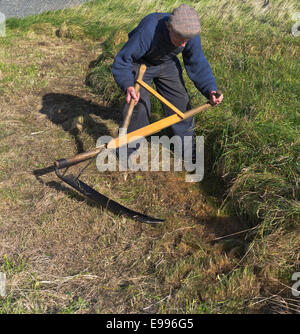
106	202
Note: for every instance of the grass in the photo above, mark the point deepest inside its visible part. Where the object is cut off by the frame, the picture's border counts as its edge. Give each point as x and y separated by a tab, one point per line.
230	244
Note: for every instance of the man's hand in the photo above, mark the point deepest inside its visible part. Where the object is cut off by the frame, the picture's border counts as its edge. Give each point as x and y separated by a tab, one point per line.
131	95
214	100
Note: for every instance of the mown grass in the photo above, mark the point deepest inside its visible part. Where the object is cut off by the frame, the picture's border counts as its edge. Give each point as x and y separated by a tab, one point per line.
252	166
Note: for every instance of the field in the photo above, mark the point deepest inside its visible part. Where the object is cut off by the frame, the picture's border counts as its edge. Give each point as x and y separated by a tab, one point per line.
230	243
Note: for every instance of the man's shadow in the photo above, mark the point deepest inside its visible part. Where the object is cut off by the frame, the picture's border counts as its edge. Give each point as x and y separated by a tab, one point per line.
74	113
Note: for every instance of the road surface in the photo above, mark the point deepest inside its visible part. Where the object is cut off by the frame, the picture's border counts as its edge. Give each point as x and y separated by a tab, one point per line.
22	8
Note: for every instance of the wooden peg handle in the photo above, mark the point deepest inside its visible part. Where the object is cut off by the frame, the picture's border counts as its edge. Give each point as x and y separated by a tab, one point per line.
132	102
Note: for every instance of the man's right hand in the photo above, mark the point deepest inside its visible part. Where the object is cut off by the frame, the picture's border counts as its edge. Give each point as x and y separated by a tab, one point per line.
131	95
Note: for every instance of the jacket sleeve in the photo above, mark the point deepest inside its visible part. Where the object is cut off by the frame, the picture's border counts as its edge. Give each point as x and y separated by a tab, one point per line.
198	68
138	44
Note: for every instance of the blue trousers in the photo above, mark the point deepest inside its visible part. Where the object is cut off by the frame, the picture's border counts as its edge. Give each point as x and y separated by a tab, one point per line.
168	81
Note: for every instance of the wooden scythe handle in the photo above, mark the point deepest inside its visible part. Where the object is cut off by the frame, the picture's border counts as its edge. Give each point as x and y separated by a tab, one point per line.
142	132
218	93
132	102
63	163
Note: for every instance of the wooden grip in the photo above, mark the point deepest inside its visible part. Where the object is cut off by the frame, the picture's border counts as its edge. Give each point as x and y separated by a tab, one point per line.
132	101
63	163
218	93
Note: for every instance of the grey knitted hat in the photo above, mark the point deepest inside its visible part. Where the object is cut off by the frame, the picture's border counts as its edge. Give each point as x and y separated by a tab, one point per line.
184	21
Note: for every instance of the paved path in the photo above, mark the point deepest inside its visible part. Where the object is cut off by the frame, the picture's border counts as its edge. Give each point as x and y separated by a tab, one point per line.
21	8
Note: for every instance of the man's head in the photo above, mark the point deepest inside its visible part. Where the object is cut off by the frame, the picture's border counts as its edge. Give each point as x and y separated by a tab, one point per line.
183	25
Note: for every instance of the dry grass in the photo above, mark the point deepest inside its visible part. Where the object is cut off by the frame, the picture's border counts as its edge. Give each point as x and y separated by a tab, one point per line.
60	252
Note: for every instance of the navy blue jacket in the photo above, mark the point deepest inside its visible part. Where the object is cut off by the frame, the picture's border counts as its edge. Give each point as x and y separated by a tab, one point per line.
149	42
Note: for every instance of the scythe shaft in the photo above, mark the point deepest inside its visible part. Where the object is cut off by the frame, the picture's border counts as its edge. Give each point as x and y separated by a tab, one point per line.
125	139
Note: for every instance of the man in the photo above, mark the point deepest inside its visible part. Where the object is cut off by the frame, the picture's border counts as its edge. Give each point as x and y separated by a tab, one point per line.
156	42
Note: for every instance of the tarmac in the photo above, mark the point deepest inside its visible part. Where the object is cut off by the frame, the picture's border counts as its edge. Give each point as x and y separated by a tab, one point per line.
22	8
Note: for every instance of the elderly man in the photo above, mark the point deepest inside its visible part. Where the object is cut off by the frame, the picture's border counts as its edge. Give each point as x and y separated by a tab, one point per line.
156	42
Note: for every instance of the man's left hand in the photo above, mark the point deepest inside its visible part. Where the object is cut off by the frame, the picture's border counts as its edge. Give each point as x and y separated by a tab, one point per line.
214	100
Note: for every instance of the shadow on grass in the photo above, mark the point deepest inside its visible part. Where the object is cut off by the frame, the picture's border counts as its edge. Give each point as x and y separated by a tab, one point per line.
67	111
72	112
57	185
